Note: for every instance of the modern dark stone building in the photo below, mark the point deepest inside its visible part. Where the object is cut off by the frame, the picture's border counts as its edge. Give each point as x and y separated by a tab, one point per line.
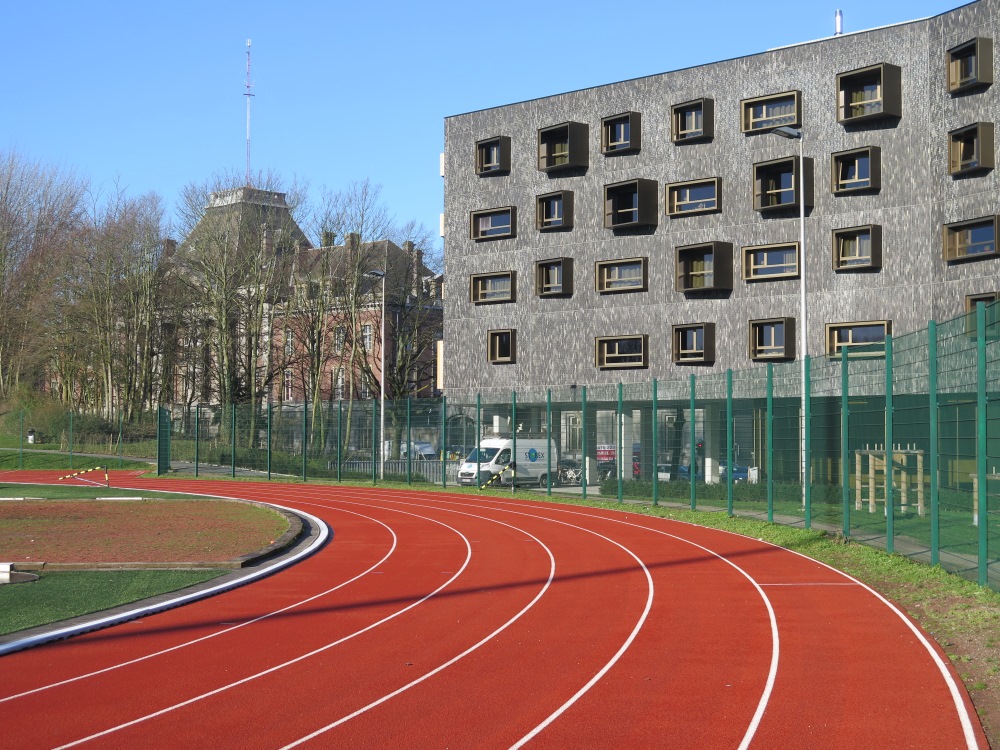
651	228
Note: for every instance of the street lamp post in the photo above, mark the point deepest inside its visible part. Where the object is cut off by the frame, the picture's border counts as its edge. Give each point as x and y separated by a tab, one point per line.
797	134
376	274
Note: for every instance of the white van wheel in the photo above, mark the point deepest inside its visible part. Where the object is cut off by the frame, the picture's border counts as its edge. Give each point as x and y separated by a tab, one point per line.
543	480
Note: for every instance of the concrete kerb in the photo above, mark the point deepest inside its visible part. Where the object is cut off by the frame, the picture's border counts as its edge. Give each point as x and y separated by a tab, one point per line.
312	534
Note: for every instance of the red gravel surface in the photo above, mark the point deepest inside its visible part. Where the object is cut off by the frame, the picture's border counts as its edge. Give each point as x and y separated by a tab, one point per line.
114	531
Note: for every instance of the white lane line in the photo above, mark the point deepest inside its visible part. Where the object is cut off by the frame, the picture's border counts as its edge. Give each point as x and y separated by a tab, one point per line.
179	646
593	680
297	659
807	584
453	660
775	641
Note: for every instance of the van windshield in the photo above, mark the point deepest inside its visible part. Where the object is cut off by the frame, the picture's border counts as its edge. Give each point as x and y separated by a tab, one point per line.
481	455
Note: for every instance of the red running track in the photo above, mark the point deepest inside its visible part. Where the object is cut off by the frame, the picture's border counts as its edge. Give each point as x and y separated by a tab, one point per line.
451	621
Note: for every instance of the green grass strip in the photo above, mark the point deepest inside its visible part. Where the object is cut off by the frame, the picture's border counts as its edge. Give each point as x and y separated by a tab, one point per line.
59	595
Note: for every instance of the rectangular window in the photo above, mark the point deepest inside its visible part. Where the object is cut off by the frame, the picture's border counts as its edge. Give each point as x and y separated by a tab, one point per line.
857	170
693	343
491	287
289	343
970	149
869	93
492	224
767	262
705	267
338	385
631	204
772	339
970	240
367	340
554	211
620	352
864	338
992	314
692	121
857	248
694	197
970	64
563	146
621	275
365	388
501	346
776	184
339	337
554	277
772	111
289	391
620	134
493	155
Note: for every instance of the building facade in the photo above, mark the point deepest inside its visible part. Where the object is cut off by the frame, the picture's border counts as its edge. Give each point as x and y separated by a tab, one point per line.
651	228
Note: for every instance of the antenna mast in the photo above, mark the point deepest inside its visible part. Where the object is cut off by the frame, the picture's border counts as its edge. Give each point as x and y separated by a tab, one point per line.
248	94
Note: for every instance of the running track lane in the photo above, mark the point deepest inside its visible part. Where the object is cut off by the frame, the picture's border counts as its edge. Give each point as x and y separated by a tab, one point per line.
481	623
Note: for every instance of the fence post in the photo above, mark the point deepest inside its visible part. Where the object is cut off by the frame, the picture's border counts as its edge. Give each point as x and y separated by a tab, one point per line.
984	495
340	432
932	407
890	458
121	447
409	443
232	438
656	449
807	444
513	438
693	468
479	415
71	441
20	456
548	442
269	440
770	442
197	437
845	468
620	439
583	441
729	442
376	452
444	440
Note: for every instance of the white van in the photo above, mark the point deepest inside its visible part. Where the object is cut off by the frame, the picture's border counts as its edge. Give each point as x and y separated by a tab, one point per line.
531	464
420	451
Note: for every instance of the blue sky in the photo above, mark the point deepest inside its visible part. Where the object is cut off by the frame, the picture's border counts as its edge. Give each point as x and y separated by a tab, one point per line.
151	95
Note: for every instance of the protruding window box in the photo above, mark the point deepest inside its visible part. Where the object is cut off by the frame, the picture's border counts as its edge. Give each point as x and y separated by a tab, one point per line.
554	211
970	149
563	147
857	248
705	267
764	113
631	204
863	339
694	197
501	347
776	184
621	352
870	93
970	65
489	288
772	339
621	134
493	156
857	170
693	343
618	276
493	223
970	240
554	277
771	262
692	121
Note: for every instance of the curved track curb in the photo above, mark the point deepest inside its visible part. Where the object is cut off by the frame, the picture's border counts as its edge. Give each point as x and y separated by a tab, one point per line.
313	536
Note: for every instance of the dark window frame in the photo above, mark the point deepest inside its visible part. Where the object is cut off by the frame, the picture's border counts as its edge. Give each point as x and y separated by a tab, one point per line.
719	278
953	252
981	134
646	207
981	49
677	132
479	296
572	138
748	270
874	261
683	355
675	187
631	146
496	346
502	164
747	119
621	361
766	170
787	351
889	100
566	271
602	282
544	225
832	349
839	159
474	230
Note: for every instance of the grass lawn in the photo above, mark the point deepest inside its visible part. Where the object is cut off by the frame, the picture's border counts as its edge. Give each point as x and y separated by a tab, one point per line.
13	460
59	595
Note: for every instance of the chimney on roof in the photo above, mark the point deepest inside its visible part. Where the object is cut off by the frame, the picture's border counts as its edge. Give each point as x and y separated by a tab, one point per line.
838	23
169	247
328	238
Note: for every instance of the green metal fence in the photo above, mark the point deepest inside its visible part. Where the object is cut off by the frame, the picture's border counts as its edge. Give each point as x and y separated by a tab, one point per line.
900	445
